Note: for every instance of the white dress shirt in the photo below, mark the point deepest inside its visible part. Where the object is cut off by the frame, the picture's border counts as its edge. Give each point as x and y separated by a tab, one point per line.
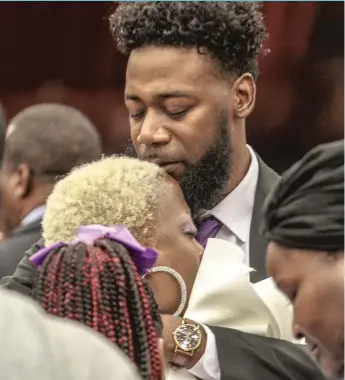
236	210
34	215
235	213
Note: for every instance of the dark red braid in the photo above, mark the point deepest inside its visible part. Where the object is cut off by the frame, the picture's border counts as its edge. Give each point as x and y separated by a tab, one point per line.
100	286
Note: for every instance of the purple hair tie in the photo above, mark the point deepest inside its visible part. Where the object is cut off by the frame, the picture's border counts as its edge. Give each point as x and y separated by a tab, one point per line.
144	258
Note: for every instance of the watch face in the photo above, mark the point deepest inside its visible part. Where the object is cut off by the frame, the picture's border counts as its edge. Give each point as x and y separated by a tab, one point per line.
188	337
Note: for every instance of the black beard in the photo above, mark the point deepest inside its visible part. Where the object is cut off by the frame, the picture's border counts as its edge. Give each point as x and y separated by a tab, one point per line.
204	184
129	150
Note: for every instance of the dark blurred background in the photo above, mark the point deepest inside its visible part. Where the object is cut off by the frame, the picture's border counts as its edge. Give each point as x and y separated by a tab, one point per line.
62	52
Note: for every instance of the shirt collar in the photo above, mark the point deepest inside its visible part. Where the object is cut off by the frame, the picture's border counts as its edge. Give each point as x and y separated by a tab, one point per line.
235	211
34	215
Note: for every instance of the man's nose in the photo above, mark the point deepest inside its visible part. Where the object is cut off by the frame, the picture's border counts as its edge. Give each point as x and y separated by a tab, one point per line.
153	131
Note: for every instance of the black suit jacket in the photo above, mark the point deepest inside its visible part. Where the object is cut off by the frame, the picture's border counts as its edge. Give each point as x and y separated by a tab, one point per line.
241	356
257	243
13	247
244	356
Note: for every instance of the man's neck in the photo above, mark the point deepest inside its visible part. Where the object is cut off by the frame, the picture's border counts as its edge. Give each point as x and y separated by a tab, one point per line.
29	206
35	215
241	164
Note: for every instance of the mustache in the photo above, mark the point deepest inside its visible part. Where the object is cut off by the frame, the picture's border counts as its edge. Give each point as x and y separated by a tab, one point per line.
129	150
161	159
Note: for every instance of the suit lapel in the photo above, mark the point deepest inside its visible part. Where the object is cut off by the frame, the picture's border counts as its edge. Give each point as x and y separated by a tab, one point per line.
257	243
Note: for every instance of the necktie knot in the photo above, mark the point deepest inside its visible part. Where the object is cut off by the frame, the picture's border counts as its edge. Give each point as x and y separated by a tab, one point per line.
208	228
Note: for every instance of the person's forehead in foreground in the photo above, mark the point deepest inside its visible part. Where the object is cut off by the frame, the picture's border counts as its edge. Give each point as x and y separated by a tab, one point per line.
304	222
190	84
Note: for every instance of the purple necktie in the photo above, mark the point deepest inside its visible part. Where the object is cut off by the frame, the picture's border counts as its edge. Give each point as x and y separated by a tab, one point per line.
208	228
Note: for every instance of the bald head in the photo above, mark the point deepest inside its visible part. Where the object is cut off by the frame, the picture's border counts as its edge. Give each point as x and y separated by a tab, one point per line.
51	139
43	143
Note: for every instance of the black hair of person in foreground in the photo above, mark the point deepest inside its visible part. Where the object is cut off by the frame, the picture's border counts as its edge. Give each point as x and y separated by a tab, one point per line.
304	221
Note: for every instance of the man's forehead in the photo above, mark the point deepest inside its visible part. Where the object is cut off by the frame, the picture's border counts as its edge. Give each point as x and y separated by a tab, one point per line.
168	63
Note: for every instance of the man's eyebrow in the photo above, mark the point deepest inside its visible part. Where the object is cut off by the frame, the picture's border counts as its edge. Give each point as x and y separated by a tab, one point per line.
163	95
173	94
132	97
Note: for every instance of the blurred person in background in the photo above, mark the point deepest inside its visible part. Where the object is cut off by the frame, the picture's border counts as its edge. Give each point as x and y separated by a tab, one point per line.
43	143
304	222
35	346
190	86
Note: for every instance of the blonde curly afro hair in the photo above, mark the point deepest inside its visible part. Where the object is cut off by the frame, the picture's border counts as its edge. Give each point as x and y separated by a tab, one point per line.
110	191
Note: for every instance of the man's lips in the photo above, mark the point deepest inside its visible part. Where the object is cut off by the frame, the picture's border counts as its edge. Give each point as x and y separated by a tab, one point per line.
173	168
166	165
161	161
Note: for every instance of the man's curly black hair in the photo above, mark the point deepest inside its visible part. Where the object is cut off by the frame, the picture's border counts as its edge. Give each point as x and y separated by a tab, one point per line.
232	32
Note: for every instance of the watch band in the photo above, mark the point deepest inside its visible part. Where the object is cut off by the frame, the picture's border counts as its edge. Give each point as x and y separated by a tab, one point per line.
180	359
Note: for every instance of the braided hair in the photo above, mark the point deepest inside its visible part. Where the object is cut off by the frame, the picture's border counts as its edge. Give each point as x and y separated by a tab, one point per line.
99	286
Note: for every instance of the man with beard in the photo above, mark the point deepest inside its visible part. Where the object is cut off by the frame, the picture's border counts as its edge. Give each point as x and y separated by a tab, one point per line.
190	85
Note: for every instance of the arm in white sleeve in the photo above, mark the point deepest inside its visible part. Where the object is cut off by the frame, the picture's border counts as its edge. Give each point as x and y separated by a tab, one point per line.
207	368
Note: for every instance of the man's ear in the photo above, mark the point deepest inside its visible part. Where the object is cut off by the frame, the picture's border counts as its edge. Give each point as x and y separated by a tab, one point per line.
245	94
21	181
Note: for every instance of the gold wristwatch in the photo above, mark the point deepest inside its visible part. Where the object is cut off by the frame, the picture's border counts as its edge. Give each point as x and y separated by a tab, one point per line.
187	338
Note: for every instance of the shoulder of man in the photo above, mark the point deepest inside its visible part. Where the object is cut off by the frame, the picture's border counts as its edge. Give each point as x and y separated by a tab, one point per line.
13	247
267	177
25	274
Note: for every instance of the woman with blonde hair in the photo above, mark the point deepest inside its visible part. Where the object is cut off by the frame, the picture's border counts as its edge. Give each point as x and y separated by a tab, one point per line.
143	198
97	222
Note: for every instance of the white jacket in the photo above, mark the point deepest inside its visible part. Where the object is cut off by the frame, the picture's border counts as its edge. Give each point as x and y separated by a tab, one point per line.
35	346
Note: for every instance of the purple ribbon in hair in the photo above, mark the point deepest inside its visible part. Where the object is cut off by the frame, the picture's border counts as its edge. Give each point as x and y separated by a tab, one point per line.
144	258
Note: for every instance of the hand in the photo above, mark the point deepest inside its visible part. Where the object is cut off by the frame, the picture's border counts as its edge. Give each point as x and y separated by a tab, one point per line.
171	323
